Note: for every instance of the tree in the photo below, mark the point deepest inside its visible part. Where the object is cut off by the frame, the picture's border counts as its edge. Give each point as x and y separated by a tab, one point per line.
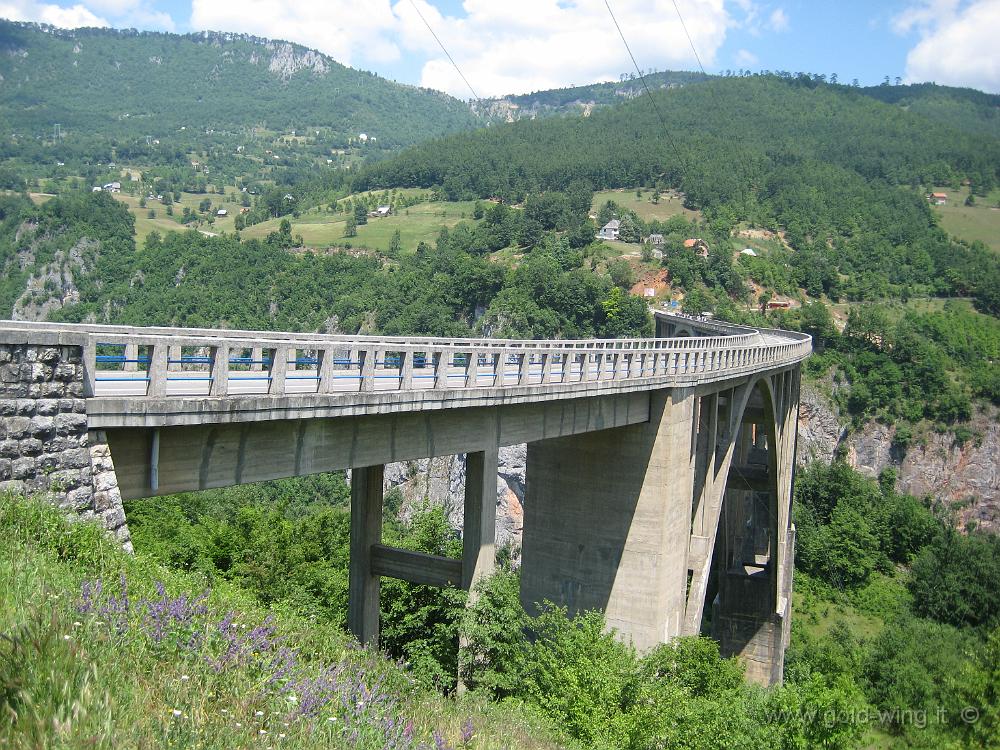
621	273
351	227
360	214
395	244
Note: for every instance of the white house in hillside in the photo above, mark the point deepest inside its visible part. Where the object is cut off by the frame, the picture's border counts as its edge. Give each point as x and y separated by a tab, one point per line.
749	251
222	212
656	240
113	187
382	211
610	231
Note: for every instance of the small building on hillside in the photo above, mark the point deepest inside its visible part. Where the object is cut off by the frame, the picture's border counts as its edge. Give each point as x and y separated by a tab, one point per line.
749	251
382	211
112	187
938	199
779	304
698	245
222	212
610	231
656	240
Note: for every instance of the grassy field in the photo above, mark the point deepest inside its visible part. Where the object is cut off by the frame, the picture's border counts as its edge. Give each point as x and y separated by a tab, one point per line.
670	204
979	222
419	223
164	223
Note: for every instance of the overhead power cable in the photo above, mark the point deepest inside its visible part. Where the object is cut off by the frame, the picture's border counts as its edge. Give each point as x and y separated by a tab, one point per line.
445	50
649	93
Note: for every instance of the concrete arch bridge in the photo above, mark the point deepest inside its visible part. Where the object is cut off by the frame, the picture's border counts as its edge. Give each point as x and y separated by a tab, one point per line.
658	479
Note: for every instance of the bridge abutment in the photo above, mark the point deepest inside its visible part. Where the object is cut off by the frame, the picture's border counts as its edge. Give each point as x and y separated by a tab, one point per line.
45	447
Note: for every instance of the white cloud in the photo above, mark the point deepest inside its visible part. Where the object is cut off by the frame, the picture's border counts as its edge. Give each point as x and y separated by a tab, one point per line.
746	57
778	20
344	29
958	43
72	17
120	13
524	45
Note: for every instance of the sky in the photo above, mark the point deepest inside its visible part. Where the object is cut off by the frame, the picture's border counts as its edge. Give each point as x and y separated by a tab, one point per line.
518	46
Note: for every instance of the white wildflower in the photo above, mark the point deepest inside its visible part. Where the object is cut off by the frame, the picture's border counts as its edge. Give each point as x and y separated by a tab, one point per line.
176	712
259	713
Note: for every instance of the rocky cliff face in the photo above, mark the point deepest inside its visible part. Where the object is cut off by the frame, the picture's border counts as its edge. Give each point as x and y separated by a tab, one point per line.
441	481
967	476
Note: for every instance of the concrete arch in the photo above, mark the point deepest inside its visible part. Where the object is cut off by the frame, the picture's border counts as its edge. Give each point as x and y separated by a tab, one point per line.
736	566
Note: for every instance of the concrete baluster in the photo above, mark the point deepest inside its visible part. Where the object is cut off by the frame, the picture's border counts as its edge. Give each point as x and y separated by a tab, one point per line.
472	370
324	370
90	367
368	357
158	371
219	385
406	371
524	369
279	367
440	363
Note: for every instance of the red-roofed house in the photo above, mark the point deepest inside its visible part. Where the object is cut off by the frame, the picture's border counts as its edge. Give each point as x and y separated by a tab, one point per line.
698	245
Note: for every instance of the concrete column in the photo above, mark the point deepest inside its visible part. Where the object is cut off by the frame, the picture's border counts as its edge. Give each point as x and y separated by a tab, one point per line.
366	530
479	537
607	519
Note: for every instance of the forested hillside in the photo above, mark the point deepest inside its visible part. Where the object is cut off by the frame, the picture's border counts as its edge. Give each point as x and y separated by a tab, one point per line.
117	87
838	172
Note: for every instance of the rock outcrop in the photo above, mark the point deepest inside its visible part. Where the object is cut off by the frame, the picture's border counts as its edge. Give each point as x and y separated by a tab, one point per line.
965	475
441	481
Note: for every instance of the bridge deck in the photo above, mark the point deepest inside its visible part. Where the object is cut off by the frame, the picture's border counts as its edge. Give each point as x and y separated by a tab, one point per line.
163	376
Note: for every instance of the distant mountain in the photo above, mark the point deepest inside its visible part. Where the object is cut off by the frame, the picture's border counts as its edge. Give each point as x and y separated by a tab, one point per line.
132	84
580	100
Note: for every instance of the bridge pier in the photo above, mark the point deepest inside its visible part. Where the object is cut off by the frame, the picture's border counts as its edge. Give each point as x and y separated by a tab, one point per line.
607	521
370	559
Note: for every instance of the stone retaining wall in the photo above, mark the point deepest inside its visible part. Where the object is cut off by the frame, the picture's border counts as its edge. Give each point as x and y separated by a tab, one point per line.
45	448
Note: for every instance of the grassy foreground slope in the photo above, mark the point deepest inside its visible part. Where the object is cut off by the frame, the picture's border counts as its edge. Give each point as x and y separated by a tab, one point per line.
99	649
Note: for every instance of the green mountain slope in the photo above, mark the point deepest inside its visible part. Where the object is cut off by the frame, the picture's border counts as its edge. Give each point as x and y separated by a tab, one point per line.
126	84
963	109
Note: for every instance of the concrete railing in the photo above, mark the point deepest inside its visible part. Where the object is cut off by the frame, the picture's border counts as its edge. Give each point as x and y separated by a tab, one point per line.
163	362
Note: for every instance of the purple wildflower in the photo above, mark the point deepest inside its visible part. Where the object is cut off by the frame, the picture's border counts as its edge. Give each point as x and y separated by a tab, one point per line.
468	730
